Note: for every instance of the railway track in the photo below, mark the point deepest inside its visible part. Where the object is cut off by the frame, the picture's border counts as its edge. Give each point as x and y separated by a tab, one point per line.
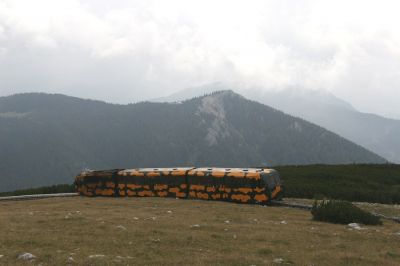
291	205
38	196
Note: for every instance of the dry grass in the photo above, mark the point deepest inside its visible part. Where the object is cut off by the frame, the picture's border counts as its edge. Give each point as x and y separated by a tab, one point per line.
159	231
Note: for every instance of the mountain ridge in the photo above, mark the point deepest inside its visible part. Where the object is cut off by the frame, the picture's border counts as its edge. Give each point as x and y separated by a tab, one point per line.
374	132
50	138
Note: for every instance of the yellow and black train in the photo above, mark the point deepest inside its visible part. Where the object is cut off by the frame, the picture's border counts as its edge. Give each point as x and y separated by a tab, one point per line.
243	185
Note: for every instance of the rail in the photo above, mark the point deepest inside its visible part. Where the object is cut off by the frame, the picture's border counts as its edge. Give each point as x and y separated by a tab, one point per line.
291	205
38	196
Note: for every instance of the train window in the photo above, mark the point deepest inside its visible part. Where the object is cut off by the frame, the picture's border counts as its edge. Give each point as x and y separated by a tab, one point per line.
166	179
239	182
270	180
201	180
218	181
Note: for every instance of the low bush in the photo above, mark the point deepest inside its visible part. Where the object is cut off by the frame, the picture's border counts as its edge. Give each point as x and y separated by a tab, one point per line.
342	212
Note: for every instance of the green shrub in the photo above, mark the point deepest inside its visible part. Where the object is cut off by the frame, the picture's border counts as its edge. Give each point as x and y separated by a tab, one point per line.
342	212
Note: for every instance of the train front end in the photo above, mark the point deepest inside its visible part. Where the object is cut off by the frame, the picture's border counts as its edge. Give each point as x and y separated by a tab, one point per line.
273	183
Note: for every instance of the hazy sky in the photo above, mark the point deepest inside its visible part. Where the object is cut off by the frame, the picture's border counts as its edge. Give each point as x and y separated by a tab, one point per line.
126	51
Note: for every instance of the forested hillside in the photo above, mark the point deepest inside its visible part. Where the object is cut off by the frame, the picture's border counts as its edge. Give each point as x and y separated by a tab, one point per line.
47	139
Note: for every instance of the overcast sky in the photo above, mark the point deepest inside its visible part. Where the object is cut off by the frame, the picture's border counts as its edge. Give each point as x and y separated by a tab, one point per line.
127	51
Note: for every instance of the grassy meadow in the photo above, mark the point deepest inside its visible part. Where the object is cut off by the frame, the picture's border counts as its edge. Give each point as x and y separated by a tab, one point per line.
166	231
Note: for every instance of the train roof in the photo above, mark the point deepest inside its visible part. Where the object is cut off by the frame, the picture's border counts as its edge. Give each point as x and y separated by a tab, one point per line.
229	170
162	169
200	169
178	171
254	173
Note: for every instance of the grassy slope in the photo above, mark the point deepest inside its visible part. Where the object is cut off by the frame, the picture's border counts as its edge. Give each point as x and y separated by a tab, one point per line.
159	231
370	183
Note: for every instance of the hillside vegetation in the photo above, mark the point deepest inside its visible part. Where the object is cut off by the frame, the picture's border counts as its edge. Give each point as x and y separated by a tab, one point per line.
164	231
369	183
48	139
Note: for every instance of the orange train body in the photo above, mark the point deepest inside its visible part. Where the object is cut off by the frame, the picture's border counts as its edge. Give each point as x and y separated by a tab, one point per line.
242	185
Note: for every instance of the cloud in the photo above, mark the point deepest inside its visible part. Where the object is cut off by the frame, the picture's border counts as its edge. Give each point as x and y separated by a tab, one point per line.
130	50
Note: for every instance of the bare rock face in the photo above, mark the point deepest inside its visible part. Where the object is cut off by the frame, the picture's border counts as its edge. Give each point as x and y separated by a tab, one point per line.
213	106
